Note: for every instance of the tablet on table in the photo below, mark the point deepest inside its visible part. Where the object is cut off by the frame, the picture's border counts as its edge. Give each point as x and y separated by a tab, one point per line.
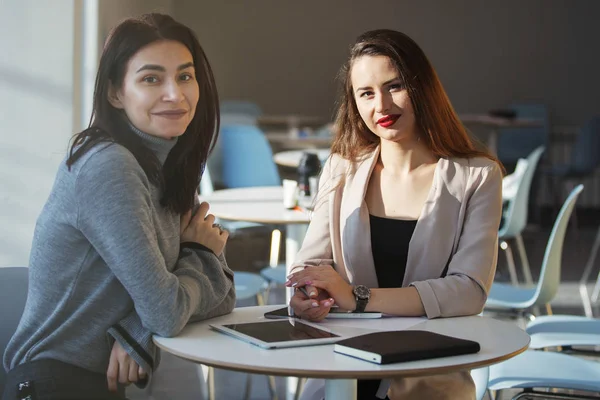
279	333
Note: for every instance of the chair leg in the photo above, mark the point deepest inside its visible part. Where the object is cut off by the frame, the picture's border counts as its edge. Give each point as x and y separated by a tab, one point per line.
583	292
267	292
208	374
272	387
248	389
260	300
512	270
524	260
593	255
596	291
275	247
299	387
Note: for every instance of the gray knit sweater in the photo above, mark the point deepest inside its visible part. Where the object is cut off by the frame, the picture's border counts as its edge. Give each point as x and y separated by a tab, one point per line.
106	263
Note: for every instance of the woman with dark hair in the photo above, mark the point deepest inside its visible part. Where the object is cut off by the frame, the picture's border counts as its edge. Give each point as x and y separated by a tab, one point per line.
121	250
408	207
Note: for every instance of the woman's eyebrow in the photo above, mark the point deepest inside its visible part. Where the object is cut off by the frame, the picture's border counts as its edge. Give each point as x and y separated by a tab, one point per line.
384	83
156	67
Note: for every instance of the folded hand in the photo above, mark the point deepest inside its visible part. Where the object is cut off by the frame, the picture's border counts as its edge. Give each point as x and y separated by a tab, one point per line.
325	278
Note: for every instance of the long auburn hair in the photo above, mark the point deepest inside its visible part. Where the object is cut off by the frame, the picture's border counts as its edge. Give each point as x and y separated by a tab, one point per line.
442	130
179	177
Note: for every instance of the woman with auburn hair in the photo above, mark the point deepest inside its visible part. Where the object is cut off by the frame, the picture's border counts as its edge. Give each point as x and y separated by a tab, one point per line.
122	250
408	208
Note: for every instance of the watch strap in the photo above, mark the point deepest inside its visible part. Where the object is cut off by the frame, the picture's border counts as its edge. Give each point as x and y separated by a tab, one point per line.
361	304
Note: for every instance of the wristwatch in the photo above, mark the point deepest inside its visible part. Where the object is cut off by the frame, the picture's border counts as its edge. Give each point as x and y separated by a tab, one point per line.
362	294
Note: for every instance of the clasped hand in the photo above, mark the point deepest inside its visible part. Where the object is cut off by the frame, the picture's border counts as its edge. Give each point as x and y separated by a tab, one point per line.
201	228
325	288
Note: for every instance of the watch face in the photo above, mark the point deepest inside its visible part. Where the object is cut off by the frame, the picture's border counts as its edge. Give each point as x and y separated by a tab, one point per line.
362	292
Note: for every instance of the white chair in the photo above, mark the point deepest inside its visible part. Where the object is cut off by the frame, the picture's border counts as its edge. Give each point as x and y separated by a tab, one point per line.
546	370
506	297
515	216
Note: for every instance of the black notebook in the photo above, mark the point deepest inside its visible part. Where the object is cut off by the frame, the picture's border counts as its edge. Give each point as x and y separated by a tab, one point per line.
399	346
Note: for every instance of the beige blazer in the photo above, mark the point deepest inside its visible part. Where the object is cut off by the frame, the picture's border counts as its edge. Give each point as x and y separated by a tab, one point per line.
453	251
451	257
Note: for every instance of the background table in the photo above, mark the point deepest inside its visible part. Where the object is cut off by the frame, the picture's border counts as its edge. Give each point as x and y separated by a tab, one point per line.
284	140
291	121
496	123
291	158
499	341
263	205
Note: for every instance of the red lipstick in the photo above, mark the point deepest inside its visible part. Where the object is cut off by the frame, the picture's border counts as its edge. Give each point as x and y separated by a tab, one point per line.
388	120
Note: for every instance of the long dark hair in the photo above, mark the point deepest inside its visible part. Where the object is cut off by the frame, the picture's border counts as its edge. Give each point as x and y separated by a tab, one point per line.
179	177
442	130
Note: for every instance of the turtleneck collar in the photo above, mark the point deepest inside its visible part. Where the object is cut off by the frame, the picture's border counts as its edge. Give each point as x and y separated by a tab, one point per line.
159	146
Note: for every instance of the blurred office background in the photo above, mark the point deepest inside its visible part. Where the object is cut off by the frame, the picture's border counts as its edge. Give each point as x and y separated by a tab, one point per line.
283	56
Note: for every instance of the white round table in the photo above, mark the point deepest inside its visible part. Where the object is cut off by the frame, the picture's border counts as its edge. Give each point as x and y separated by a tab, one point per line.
291	158
499	341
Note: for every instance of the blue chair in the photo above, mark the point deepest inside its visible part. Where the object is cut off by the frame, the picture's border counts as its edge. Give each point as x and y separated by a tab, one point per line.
515	219
249	285
247	160
233	112
546	370
14	283
515	143
247	157
516	300
275	274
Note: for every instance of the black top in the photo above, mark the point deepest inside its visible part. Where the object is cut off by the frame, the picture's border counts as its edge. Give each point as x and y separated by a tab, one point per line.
390	239
389	244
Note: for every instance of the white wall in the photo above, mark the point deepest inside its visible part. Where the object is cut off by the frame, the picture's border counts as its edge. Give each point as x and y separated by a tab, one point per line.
36	117
285	54
40	103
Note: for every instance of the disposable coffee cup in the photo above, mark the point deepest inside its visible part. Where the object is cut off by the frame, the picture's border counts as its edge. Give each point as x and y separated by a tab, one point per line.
290	193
